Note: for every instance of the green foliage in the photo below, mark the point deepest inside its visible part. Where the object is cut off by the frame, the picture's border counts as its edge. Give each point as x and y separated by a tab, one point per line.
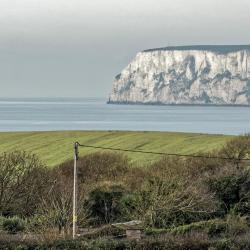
14	225
230	227
236	225
233	191
241	243
37	223
192	242
2	219
195	242
21	247
104	203
64	245
128	205
112	245
211	227
104	231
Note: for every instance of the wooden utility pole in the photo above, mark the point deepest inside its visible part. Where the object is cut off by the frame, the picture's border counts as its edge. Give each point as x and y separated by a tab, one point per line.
75	190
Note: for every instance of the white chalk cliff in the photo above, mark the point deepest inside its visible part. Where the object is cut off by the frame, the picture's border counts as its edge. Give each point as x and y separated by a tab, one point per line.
186	75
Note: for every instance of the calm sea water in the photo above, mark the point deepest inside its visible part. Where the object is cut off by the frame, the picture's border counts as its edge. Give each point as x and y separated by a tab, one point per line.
95	114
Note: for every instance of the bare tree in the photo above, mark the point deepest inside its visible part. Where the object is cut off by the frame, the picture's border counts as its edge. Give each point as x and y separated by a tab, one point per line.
171	191
237	149
56	204
22	180
162	201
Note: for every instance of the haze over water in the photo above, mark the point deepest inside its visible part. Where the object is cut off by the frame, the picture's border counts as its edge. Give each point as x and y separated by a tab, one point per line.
45	114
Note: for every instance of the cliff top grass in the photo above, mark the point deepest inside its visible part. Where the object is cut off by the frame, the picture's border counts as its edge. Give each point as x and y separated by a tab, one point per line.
221	49
54	148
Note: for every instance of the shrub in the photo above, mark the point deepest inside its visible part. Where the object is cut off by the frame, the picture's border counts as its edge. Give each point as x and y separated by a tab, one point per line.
112	244
189	242
21	247
236	225
14	225
104	203
211	227
104	231
232	190
64	245
2	219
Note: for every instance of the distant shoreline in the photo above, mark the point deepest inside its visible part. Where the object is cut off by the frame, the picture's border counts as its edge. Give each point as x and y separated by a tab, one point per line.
179	104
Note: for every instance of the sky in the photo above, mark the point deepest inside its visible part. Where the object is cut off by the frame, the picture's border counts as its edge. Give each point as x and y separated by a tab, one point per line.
74	48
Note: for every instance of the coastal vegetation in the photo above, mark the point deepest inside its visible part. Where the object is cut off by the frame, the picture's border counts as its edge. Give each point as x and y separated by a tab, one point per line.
182	203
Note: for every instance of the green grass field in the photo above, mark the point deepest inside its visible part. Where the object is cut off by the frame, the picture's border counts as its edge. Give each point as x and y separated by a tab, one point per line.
56	147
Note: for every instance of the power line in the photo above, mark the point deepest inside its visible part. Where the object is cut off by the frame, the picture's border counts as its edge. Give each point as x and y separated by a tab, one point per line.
77	144
159	153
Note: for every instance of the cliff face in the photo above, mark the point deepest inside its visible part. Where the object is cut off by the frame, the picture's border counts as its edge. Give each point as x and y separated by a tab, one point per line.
186	75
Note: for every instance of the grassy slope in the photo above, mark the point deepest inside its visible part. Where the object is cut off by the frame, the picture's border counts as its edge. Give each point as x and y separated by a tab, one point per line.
56	147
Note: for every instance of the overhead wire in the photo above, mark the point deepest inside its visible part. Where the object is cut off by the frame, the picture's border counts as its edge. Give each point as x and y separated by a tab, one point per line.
161	153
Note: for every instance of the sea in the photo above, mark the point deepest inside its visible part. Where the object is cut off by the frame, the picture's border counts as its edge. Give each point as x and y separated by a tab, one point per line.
50	114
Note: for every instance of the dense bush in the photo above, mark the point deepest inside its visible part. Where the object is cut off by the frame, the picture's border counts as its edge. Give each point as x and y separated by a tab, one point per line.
105	203
13	225
2	219
104	231
194	242
211	227
232	190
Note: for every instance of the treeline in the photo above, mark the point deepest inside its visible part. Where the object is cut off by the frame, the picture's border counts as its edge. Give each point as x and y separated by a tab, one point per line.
174	196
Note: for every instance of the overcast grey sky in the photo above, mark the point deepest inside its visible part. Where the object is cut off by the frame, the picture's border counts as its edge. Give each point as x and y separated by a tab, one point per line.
74	48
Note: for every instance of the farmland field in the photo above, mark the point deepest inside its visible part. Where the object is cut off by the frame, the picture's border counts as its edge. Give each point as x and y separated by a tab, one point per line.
56	147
